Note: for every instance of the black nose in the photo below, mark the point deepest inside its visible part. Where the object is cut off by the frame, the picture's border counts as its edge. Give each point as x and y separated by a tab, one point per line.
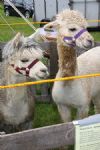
43	70
90	42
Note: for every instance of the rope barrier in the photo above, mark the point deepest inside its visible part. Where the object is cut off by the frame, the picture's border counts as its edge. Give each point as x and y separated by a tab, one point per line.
22	23
49	81
14	32
93	20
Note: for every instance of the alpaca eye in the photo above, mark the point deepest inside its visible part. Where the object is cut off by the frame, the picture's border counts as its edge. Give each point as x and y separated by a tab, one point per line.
72	29
24	60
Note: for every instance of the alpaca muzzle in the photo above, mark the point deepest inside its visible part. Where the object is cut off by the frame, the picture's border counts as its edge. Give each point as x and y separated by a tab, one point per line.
73	39
25	69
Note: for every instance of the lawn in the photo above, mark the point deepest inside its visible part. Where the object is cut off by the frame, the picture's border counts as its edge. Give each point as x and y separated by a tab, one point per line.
45	114
96	35
6	30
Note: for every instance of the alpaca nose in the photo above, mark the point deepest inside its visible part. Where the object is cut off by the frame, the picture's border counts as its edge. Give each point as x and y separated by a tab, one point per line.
90	43
44	70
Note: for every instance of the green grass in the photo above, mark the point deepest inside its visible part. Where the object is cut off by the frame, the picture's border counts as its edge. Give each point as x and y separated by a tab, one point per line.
96	35
46	114
6	33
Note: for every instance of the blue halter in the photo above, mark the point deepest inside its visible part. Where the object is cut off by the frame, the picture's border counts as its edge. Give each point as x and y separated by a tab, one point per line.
73	39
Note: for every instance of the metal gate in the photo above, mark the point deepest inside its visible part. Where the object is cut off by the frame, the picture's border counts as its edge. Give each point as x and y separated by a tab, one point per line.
48	8
89	8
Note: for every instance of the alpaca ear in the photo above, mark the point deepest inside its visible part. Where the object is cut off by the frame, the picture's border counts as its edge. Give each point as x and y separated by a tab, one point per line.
53	24
18	40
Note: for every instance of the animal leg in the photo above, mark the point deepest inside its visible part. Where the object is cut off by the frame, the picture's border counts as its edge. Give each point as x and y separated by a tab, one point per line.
97	109
65	112
96	103
82	112
26	125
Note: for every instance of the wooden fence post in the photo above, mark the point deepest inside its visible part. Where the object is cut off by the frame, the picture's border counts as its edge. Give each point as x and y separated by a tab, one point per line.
51	48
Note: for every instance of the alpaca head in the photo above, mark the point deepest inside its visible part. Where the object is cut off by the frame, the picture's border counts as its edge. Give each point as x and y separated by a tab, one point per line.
24	56
71	28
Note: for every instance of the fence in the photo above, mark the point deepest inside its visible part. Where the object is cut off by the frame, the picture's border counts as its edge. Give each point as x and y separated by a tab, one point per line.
42	92
86	6
44	138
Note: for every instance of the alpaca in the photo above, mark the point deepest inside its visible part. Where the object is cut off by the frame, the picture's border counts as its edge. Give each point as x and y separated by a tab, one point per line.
41	35
71	32
21	62
44	38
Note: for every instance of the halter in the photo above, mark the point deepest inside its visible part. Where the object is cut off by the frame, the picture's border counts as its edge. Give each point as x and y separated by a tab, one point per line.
27	69
73	39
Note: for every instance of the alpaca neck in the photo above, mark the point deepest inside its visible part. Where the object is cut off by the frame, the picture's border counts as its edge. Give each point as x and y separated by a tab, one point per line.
67	61
11	78
18	100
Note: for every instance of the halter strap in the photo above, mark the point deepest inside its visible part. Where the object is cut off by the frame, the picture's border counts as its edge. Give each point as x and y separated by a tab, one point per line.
69	38
27	69
80	33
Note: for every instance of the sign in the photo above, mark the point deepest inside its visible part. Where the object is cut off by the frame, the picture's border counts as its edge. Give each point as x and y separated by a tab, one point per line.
87	133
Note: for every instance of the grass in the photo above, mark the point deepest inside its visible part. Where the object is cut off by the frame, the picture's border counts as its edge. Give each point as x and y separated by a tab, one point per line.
6	33
46	113
96	35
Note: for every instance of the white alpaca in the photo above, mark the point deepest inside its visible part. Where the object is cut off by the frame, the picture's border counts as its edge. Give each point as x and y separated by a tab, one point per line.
22	60
71	28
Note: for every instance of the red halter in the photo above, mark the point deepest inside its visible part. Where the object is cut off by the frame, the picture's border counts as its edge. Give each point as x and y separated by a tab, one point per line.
27	69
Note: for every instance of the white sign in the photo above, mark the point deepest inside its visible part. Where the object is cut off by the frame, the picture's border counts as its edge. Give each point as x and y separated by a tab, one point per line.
87	133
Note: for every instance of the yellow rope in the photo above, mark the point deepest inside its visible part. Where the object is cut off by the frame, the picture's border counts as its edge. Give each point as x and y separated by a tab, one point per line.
49	81
93	20
22	23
